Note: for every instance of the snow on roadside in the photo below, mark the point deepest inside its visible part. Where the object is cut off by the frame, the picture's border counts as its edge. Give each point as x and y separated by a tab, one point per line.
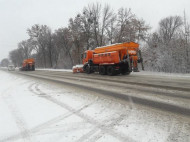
163	74
23	109
49	69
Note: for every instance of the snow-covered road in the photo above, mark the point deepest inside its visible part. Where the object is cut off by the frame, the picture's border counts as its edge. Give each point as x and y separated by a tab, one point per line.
41	111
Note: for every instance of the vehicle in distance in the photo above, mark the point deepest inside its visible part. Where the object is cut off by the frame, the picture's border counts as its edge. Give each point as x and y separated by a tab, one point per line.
11	68
28	65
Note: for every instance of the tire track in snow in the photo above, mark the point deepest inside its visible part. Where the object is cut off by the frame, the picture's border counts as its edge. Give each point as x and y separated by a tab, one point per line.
25	133
36	129
100	125
109	124
176	133
40	127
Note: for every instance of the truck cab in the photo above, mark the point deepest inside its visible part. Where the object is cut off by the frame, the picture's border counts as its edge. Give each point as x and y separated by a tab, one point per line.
87	55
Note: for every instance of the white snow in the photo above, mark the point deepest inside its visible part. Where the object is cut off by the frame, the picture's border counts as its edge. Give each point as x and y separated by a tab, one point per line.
109	45
162	74
32	110
78	66
49	69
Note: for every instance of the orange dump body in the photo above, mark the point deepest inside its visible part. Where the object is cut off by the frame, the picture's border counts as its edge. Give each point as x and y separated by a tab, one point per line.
130	47
100	55
117	47
106	58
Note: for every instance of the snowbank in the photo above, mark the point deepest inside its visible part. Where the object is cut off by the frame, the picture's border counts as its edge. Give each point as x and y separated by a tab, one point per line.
162	74
49	69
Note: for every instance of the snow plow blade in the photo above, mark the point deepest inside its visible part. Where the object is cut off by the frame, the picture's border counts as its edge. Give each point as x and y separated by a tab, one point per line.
78	69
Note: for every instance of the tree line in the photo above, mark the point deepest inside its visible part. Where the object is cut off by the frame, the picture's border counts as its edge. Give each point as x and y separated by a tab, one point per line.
166	50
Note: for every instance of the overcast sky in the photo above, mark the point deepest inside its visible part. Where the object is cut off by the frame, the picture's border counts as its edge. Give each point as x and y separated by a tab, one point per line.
18	15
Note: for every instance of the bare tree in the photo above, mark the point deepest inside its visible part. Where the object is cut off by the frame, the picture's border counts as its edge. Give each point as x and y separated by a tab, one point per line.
64	41
95	11
111	29
125	17
95	26
107	15
77	38
99	20
42	36
170	52
26	48
16	56
169	26
4	62
187	45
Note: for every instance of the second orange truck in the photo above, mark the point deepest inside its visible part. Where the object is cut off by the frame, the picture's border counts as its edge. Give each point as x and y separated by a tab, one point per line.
28	65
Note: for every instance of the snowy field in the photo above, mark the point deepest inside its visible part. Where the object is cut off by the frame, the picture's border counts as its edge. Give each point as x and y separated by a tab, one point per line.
40	111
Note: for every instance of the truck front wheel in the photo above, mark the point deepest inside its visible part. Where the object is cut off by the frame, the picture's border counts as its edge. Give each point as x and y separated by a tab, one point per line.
87	70
111	70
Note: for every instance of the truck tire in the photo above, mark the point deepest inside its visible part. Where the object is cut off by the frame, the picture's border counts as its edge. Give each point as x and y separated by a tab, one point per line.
33	68
27	68
111	70
102	70
87	70
125	71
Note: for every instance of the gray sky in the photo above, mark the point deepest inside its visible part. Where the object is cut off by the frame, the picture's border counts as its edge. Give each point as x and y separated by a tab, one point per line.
18	15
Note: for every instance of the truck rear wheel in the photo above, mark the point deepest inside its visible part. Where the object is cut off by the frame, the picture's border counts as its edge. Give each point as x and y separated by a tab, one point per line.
33	68
102	70
87	70
124	70
111	70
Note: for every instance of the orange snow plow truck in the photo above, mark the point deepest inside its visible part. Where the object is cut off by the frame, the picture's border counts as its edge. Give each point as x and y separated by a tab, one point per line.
121	58
28	65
